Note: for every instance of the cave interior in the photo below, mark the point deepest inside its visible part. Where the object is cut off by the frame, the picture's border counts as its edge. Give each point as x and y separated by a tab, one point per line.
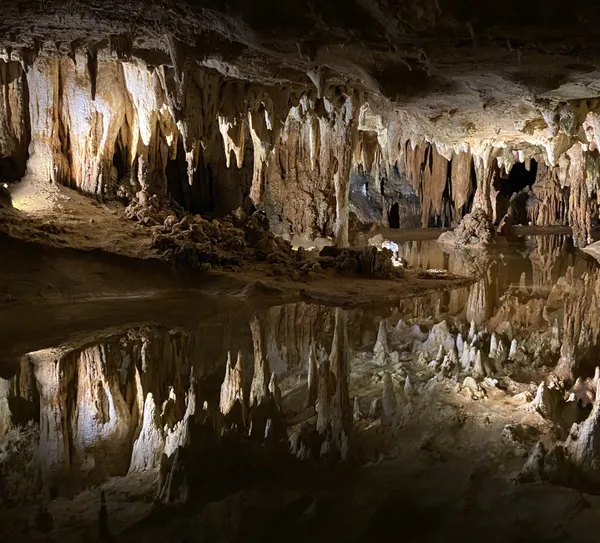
321	271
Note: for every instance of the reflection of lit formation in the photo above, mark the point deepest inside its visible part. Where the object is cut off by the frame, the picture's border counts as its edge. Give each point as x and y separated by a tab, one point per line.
300	377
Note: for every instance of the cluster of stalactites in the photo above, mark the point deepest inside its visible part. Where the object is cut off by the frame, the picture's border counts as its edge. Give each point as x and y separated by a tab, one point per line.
79	114
84	110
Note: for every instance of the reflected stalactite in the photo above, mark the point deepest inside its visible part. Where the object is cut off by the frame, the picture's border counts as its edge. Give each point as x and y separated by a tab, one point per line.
233	403
551	198
149	445
101	423
52	376
153	399
334	411
264	400
482	298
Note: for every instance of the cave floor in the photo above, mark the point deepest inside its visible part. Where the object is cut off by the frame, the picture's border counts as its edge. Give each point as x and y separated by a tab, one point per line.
63	245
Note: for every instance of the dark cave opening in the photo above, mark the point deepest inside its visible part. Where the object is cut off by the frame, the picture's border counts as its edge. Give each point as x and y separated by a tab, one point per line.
519	178
515	192
11	169
177	179
120	159
394	216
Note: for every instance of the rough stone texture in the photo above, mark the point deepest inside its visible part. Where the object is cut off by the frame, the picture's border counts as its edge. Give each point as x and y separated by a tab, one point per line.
158	109
148	447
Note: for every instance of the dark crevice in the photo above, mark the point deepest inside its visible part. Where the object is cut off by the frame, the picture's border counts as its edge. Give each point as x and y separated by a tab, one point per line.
394	216
177	179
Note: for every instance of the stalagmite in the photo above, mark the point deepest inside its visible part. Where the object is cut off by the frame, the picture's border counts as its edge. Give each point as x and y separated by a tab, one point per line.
512	353
478	368
408	388
460	344
582	447
381	349
388	400
5	414
356	412
548	399
533	468
466	359
584	391
472	332
439	336
493	345
313	376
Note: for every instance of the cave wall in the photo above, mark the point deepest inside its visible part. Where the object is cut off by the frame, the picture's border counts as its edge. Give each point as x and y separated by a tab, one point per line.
14	121
121	128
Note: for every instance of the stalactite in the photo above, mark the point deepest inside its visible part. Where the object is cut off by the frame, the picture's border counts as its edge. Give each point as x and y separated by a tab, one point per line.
550	205
233	133
484	170
262	148
334	412
461	179
101	425
344	127
415	163
151	120
92	125
579	211
434	179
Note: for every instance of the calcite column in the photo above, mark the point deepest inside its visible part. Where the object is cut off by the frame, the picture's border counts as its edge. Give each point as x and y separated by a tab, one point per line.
345	131
46	160
579	207
484	171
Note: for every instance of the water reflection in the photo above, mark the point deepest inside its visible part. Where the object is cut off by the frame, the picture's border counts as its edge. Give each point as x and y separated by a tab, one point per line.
300	379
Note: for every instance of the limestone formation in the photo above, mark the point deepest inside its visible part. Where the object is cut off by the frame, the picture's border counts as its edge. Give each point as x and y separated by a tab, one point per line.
381	350
149	446
232	391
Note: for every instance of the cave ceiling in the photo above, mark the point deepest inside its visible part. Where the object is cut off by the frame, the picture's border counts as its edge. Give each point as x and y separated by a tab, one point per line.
453	72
